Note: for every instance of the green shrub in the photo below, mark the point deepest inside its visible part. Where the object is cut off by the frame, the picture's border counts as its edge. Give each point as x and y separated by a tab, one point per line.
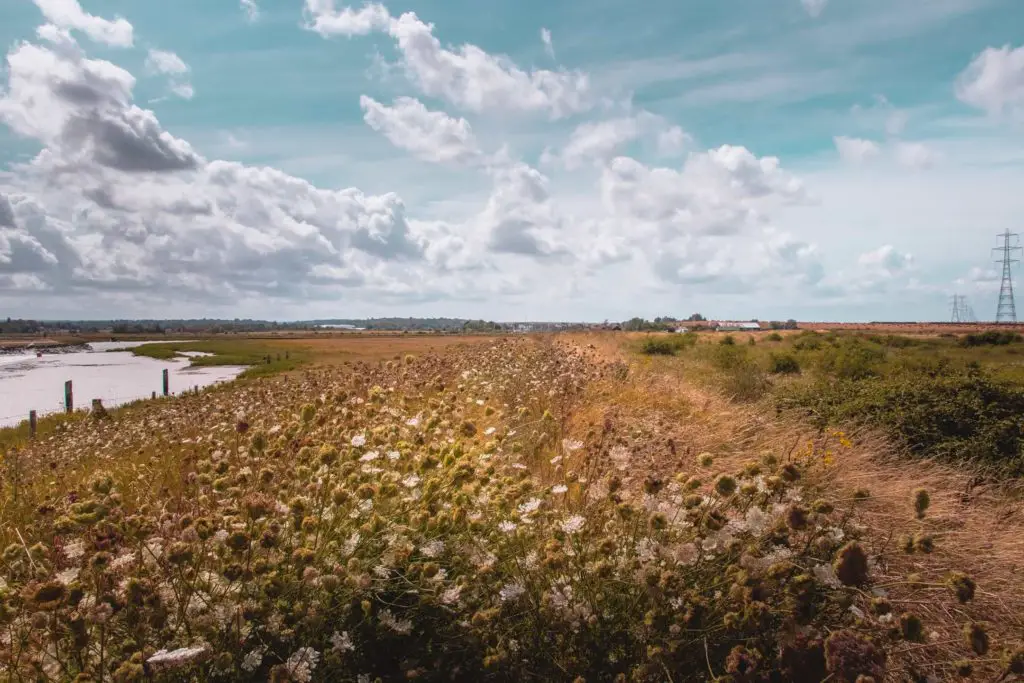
667	345
774	337
957	415
851	359
727	340
807	341
991	338
783	364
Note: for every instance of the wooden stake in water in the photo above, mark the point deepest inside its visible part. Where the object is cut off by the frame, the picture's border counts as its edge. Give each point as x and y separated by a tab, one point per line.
167	383
69	398
32	423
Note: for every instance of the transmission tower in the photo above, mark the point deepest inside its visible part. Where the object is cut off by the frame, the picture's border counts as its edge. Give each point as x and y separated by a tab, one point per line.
1006	312
960	310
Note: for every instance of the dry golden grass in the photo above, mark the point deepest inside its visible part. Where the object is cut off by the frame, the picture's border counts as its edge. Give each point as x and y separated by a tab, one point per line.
977	528
340	348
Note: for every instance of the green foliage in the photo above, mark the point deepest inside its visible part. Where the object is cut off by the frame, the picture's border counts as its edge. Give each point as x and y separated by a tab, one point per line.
956	415
991	338
666	345
783	364
262	357
851	358
774	337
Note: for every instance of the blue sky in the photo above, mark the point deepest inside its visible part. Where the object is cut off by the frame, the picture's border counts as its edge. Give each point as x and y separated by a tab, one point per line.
837	159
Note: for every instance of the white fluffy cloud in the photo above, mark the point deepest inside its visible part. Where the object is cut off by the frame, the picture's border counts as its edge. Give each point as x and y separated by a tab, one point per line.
856	150
915	155
174	67
68	14
994	81
430	135
467	76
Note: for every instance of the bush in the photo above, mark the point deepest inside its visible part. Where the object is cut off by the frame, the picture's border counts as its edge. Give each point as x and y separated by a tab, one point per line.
851	359
991	338
959	415
783	364
728	340
774	337
666	346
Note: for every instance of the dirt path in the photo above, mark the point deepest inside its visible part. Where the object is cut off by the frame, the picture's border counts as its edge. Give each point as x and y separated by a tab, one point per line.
975	529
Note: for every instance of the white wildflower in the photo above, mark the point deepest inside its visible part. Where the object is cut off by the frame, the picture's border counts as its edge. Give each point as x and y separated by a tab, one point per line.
479	401
252	661
572	444
342	642
826	575
301	664
560	488
432	548
369	456
511	591
411	481
174	659
67	576
451	595
519	466
506	527
74	550
413	421
400	626
394	455
857	611
350	544
122	561
382	571
489	431
529	506
555	460
573	524
358	440
686	554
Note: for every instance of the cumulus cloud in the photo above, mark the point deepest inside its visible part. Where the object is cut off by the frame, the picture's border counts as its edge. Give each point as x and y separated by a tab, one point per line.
430	135
549	47
251	9
599	141
994	82
171	65
915	155
814	7
68	14
856	150
466	76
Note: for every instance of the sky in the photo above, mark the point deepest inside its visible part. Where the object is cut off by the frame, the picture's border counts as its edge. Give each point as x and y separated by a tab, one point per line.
508	160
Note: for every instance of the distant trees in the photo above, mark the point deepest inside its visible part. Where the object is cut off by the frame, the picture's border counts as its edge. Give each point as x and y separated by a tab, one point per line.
788	325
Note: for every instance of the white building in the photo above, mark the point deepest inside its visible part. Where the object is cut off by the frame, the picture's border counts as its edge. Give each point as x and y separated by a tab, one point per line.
737	327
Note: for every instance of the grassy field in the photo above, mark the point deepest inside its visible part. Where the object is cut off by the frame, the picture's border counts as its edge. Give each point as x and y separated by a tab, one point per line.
532	509
959	398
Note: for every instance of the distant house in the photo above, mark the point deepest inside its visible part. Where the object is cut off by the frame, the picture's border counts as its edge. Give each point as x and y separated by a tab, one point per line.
724	326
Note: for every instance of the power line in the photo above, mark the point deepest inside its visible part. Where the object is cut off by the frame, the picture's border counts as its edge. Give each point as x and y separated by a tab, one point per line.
960	310
1006	311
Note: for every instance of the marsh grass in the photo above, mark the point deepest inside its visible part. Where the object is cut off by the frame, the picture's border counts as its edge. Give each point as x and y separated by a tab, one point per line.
263	357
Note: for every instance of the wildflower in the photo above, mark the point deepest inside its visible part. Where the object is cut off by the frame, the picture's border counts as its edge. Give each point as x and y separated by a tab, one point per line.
506	526
511	592
489	431
851	565
572	444
394	455
826	575
74	550
529	506
921	502
433	548
411	481
175	659
976	637
725	485
560	488
342	642
369	456
963	586
252	661
67	576
573	524
413	422
358	440
555	460
451	595
399	626
911	627
301	664
686	554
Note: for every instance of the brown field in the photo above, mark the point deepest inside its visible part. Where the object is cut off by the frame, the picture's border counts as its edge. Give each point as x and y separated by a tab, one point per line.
912	328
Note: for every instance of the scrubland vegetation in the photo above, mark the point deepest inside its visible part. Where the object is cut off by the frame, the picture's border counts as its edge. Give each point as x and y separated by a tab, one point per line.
527	510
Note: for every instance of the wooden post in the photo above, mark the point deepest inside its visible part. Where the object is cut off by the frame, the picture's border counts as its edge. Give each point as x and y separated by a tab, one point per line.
167	383
69	397
154	394
32	423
